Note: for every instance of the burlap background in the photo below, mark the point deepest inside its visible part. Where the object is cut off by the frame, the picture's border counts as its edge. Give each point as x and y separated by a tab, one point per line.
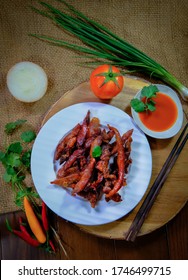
157	27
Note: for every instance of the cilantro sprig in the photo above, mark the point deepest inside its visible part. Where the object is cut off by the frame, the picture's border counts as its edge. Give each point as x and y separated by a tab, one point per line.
11	126
16	159
146	102
96	152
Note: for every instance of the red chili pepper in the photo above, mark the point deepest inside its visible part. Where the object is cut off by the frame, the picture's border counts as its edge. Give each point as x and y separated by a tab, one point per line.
31	241
46	225
52	245
44	217
23	234
22	227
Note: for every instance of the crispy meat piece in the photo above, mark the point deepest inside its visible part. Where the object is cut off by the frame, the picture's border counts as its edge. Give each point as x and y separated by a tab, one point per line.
94	127
83	131
107	135
103	163
82	162
116	197
71	170
86	175
68	180
88	142
63	143
91	196
127	135
94	184
120	163
66	152
92	191
69	162
107	186
127	148
91	177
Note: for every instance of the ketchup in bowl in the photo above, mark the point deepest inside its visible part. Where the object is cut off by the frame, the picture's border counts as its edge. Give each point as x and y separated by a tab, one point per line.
167	118
163	117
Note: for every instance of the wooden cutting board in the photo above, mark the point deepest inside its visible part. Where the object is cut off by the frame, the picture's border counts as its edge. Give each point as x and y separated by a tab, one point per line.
174	193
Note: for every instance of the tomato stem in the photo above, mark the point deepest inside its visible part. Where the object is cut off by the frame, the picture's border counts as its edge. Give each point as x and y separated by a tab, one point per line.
109	76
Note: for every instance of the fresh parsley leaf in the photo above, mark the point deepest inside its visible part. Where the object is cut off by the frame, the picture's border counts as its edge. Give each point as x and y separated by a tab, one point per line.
20	194
28	136
24	192
19	201
10	175
10	170
7	177
19	197
11	126
16	162
15	147
151	106
26	158
97	151
149	91
13	160
146	102
29	191
138	105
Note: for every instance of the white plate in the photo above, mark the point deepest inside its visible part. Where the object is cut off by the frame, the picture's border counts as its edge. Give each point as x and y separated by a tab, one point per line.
173	129
76	209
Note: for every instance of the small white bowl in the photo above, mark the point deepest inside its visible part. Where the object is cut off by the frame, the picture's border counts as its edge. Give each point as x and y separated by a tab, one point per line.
174	129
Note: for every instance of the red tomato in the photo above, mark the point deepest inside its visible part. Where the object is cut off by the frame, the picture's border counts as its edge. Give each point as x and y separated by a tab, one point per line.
106	81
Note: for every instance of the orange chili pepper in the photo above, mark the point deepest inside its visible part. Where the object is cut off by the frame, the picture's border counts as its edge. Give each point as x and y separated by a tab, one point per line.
33	221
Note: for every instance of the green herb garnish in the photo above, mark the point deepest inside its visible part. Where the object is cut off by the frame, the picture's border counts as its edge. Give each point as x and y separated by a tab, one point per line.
28	136
145	103
16	160
10	127
97	151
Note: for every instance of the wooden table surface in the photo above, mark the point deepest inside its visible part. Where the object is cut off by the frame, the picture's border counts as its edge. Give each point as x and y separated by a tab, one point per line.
162	238
170	242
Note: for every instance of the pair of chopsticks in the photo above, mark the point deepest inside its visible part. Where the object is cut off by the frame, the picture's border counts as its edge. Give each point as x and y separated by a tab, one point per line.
138	221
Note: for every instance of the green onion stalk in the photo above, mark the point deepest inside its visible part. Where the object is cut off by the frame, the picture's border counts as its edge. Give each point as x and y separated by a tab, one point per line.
103	46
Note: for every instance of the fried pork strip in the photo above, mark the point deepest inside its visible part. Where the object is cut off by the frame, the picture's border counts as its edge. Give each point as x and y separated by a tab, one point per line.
91	177
86	175
69	162
63	143
68	180
103	164
92	191
94	127
83	131
120	163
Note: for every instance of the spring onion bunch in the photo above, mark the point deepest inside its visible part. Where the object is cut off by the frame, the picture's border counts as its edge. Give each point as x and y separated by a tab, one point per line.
103	46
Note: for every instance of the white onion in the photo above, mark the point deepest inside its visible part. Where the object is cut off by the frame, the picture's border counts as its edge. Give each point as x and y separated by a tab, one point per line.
27	81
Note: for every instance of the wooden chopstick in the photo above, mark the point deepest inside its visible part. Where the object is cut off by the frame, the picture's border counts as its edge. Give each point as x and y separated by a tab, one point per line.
138	221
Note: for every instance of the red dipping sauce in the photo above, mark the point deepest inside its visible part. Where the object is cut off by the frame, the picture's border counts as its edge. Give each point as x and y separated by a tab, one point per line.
163	117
